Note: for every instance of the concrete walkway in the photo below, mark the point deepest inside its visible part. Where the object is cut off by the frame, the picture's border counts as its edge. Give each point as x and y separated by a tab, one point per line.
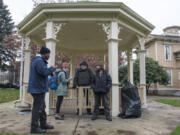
157	119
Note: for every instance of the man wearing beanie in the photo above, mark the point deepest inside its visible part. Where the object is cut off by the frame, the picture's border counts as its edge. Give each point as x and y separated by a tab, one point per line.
101	85
37	87
83	77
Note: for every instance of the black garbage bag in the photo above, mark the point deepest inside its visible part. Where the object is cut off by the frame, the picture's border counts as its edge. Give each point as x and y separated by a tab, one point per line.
131	103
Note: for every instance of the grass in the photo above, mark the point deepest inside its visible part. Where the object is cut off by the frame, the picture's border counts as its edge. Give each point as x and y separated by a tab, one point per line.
22	134
173	102
176	131
7	95
8	134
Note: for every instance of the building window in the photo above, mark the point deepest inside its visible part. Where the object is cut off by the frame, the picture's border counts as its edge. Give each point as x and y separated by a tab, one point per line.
169	72
167	52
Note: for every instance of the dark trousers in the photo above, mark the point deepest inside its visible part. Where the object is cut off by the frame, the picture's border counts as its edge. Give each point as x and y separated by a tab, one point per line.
104	97
87	100
58	103
38	111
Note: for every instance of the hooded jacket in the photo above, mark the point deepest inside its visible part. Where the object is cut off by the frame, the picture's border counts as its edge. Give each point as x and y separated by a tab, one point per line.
83	77
38	79
63	80
102	83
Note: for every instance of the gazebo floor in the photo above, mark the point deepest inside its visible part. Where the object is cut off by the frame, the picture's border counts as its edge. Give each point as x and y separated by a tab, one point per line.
157	119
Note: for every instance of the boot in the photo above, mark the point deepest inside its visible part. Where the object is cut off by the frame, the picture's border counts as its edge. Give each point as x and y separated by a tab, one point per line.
108	118
89	111
94	117
47	126
37	131
77	112
101	111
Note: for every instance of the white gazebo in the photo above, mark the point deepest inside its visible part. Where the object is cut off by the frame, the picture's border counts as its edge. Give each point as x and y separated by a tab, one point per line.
87	28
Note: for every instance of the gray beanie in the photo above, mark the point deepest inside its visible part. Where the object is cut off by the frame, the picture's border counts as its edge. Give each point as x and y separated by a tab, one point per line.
100	63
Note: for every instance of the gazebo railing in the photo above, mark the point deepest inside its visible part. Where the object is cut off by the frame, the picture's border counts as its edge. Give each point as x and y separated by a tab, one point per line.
77	98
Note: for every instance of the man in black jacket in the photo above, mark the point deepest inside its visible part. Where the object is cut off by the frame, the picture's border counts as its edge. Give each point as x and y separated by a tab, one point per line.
101	85
83	77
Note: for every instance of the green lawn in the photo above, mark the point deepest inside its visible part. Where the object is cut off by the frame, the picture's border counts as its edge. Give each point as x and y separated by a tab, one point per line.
176	131
7	134
173	102
7	95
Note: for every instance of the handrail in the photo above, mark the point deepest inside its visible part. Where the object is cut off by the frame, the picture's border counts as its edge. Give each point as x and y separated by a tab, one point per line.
77	98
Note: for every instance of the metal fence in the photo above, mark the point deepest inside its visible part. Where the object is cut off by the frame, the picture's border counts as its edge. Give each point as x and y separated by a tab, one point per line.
10	77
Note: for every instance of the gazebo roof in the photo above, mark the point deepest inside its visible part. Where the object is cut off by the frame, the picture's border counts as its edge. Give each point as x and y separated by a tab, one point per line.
86	7
82	27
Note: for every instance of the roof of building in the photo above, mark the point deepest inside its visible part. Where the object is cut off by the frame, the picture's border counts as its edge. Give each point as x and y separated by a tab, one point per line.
163	37
171	27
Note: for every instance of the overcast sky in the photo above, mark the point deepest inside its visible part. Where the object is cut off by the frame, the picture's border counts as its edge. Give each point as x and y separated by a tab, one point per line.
161	13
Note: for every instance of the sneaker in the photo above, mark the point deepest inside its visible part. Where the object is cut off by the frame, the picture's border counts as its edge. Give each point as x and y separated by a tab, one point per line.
59	117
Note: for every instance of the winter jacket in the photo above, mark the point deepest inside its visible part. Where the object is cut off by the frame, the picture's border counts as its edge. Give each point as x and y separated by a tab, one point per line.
38	79
101	83
63	80
83	77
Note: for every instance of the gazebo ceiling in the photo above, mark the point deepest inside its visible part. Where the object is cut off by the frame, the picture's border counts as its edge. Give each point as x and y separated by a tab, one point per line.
82	32
85	37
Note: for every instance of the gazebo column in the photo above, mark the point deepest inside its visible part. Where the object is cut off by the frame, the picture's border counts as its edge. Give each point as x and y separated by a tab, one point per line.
142	66
51	31
112	30
113	70
105	61
73	65
130	66
27	59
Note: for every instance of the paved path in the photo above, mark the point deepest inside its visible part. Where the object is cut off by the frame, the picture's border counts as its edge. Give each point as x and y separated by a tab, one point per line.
157	119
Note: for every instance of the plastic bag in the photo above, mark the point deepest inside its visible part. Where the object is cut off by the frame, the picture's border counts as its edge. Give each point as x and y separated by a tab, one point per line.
131	103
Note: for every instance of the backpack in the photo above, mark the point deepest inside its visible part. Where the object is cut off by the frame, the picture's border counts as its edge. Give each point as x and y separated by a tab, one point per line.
56	78
52	82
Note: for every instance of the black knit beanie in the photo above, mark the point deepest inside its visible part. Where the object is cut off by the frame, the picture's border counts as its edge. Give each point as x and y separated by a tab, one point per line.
44	50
